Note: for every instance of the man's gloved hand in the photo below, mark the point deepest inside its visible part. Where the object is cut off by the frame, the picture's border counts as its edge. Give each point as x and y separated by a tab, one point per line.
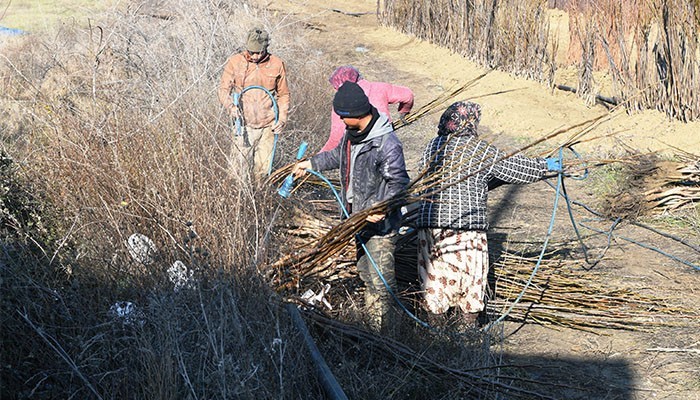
402	118
554	164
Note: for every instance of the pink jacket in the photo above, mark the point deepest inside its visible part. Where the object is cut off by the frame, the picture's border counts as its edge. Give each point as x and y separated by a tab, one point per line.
380	95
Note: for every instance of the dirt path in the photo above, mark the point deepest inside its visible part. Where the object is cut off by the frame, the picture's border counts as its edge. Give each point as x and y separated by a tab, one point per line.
609	363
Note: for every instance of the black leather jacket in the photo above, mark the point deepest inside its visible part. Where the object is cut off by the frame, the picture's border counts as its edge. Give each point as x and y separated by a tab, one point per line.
379	171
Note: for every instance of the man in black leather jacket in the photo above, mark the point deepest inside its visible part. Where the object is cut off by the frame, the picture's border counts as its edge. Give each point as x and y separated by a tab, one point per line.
372	169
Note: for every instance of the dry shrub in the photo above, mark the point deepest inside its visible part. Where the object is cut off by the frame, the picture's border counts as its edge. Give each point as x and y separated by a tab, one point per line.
118	124
129	136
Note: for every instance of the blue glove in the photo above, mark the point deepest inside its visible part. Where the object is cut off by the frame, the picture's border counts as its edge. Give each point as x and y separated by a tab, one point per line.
554	164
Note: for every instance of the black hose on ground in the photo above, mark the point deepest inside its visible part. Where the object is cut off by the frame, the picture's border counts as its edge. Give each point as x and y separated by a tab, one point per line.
325	376
603	99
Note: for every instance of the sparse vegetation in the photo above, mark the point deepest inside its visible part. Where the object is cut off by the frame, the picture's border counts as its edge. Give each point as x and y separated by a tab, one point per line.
116	130
22	14
609	181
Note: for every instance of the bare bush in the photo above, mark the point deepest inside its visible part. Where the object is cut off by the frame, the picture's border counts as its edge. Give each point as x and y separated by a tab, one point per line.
118	123
128	132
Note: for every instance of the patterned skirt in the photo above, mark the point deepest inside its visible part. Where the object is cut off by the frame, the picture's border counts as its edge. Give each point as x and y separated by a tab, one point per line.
453	266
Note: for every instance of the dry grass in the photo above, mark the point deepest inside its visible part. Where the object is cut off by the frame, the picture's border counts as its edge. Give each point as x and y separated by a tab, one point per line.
119	126
115	129
43	15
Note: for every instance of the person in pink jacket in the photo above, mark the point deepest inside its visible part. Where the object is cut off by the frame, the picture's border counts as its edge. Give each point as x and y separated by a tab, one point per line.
380	95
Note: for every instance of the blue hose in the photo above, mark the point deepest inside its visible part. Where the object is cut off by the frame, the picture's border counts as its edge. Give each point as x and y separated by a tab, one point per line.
236	101
609	232
560	184
369	256
560	191
560	181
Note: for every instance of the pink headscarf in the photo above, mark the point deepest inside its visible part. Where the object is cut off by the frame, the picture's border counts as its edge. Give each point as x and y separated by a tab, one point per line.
461	118
344	74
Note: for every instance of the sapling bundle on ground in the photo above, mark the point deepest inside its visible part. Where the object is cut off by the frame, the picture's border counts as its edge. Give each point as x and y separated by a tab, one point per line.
562	294
675	185
647	184
440	362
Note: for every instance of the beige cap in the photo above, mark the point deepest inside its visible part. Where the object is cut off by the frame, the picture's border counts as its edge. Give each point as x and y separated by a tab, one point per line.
258	39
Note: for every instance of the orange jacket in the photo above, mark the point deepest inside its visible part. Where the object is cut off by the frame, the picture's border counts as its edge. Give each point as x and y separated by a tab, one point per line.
256	105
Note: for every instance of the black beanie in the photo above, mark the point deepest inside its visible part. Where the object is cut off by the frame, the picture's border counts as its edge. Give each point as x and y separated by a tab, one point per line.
350	101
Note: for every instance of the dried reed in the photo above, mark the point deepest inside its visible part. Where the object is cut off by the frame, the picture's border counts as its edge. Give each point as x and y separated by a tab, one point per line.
511	36
651	49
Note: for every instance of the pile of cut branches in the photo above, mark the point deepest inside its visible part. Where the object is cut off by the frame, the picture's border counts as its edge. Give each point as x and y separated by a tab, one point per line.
561	294
676	185
564	294
649	185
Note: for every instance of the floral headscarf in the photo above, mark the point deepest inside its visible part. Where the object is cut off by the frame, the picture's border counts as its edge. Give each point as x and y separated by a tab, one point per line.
461	117
344	74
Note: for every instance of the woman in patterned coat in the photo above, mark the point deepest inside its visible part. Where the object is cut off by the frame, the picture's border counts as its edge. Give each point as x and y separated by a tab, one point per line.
453	258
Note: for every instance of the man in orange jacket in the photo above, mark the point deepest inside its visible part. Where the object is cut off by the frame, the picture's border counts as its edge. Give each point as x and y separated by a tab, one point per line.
255	67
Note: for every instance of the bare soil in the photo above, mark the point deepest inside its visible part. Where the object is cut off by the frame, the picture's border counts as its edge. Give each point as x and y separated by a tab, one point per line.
600	363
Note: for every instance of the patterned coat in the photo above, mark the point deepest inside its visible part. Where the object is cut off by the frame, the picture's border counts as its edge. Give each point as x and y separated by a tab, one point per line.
459	201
